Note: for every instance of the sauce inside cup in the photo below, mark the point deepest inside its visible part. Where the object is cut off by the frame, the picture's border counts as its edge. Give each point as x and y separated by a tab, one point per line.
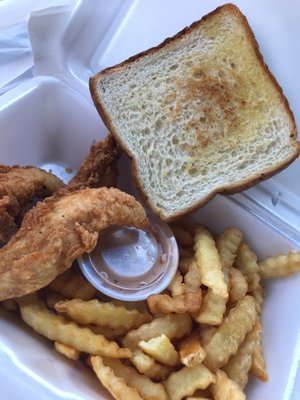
130	264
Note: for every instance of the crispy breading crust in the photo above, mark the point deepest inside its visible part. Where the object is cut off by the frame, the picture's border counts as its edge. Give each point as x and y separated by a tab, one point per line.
18	187
57	231
99	168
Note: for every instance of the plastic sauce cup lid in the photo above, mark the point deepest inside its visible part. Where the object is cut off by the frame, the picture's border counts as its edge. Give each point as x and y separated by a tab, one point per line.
130	264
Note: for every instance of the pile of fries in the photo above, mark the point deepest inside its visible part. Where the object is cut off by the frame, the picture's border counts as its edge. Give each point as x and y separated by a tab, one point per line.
201	337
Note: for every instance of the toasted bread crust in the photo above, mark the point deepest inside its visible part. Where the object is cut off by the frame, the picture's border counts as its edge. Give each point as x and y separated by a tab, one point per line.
235	187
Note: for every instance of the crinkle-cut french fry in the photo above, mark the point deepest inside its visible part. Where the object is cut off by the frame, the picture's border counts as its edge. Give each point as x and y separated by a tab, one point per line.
35	313
231	333
206	396
71	284
161	349
109	333
192	279
227	244
226	389
201	393
191	351
140	306
115	385
146	365
163	303
258	367
185	262
174	326
281	265
209	262
67	351
238	285
103	314
212	309
253	281
9	305
147	389
258	294
187	380
176	287
239	365
52	298
205	333
183	237
246	260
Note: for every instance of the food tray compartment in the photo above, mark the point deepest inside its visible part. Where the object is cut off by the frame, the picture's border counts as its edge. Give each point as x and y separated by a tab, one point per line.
50	121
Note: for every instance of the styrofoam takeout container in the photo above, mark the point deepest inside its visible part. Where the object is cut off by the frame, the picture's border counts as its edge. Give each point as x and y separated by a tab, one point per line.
50	121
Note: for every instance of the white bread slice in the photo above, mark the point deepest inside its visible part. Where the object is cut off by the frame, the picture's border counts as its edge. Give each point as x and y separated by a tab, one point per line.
200	114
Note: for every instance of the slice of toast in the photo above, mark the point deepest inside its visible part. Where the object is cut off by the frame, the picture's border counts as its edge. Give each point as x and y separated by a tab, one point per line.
200	114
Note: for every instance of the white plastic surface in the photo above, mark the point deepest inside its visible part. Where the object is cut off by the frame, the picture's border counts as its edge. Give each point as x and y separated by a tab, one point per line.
50	121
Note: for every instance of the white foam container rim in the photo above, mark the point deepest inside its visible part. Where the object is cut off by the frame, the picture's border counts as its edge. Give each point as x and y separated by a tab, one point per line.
58	122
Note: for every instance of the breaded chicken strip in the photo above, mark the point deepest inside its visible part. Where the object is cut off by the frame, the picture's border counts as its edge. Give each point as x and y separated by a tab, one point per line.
57	231
18	187
100	166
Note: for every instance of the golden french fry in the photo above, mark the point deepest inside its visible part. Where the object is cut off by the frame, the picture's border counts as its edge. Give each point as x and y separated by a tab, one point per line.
174	326
281	265
176	287
238	285
253	281
67	351
206	332
258	367
191	351
209	262
239	364
148	366
246	260
185	262
192	279
103	314
226	389
161	349
231	333
183	237
115	385
258	294
227	244
9	305
197	398
187	380
140	306
71	284
212	309
55	327
201	393
147	389
163	303
109	333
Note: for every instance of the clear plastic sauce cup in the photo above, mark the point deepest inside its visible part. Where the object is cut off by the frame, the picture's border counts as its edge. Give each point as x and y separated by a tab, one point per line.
130	264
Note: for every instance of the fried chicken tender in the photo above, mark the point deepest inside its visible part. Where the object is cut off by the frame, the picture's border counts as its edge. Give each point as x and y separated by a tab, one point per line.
57	231
19	186
100	166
